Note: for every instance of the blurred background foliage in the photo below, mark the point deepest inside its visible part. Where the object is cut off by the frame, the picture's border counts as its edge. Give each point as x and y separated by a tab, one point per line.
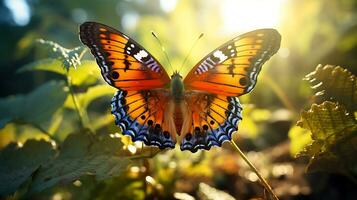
38	85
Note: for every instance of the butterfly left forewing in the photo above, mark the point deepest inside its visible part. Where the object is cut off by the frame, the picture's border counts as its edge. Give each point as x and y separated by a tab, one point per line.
123	62
232	69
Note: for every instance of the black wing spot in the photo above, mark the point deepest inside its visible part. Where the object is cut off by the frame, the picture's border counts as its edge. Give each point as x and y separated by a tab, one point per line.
150	122
243	81
115	75
205	127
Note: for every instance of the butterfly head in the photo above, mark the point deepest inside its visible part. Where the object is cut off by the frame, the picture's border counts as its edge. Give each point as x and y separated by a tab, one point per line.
176	75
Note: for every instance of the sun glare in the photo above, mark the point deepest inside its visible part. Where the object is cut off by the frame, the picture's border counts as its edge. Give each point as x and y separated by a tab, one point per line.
246	15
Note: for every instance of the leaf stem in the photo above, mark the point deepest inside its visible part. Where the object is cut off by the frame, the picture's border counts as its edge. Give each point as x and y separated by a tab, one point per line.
74	99
254	169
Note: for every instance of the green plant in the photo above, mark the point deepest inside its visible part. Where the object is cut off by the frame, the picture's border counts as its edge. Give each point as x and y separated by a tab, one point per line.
37	165
331	122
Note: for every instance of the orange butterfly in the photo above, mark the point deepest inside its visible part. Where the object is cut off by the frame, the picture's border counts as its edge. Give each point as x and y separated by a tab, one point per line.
199	111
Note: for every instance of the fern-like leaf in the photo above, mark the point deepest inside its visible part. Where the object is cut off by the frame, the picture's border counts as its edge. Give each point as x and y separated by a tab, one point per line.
69	57
330	124
333	83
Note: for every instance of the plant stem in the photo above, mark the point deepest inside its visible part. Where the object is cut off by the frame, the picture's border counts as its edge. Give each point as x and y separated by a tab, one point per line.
254	169
69	85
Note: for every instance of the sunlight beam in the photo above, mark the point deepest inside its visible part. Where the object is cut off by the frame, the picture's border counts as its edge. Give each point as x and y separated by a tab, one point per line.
246	15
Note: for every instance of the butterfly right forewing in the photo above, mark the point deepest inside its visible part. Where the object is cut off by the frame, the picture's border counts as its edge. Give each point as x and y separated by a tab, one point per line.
123	62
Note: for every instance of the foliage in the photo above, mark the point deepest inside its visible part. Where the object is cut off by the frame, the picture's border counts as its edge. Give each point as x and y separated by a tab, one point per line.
39	164
333	125
68	57
44	166
82	154
19	163
35	107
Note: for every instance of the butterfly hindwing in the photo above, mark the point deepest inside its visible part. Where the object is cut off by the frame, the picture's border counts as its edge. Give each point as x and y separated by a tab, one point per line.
232	69
123	62
209	120
146	116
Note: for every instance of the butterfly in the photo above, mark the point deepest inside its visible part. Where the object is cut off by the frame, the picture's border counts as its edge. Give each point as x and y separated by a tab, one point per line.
198	112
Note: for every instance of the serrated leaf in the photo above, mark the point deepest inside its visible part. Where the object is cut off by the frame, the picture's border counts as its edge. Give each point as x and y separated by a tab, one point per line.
330	124
206	192
82	154
339	157
334	83
327	120
35	107
68	57
299	138
87	73
19	163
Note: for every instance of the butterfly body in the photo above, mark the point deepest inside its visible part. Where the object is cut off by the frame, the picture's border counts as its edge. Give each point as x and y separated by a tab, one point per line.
177	87
199	111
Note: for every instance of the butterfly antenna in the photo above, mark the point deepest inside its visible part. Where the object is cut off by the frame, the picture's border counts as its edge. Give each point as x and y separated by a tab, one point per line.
163	49
194	44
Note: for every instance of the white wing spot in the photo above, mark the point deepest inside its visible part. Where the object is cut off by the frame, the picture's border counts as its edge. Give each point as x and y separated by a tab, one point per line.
132	45
220	55
141	54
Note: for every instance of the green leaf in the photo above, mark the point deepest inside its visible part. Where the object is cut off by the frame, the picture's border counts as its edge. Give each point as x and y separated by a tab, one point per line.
82	154
48	64
299	138
87	73
68	57
206	192
19	163
330	124
335	83
327	121
35	107
90	95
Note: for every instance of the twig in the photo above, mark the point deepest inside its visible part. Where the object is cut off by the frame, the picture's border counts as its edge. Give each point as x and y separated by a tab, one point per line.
254	169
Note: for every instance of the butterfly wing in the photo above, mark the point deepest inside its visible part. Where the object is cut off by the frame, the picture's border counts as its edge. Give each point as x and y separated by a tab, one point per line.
212	110
232	69
123	62
209	120
142	107
147	116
